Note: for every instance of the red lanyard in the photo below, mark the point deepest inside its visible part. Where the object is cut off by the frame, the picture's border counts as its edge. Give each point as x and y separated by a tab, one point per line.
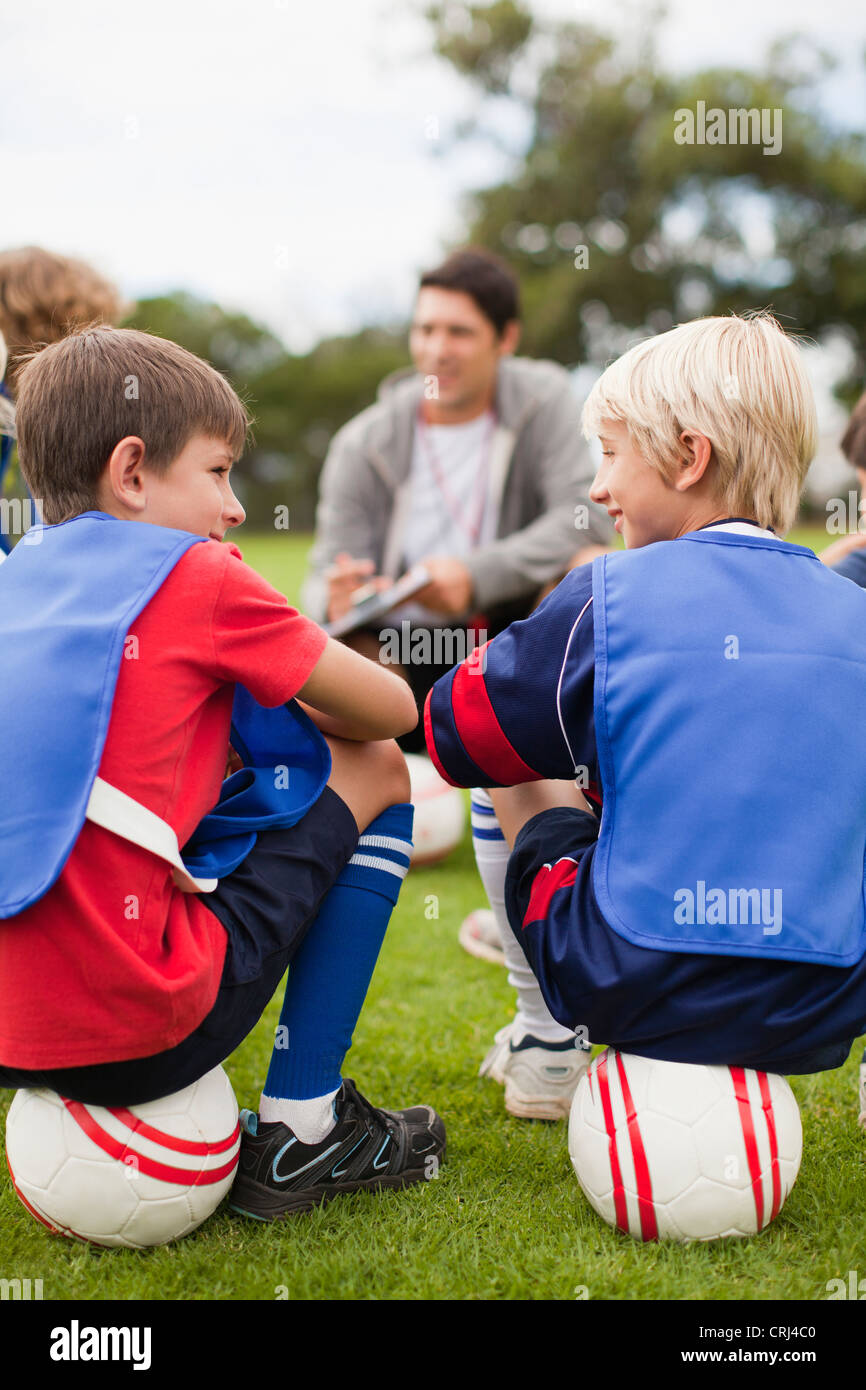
458	514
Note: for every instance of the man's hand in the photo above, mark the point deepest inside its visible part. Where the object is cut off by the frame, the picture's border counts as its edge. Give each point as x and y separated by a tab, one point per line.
345	576
844	546
451	590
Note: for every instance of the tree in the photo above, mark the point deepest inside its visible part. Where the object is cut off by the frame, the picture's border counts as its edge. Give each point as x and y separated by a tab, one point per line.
617	226
299	403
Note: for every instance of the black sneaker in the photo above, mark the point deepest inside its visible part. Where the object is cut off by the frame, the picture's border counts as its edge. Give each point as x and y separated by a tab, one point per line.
368	1148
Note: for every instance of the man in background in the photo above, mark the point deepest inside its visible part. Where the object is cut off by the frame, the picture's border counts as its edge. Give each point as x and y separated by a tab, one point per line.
472	464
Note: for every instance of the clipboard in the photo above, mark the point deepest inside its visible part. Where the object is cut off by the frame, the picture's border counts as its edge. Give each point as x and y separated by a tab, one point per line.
368	603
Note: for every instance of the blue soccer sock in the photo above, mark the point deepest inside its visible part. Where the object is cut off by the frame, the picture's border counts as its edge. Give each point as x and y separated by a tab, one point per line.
329	978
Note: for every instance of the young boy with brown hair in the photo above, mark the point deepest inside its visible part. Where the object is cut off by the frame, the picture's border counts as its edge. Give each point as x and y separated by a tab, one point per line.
132	641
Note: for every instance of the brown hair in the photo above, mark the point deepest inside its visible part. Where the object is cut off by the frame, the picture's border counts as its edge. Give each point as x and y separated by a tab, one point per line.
853	443
483	276
44	296
78	398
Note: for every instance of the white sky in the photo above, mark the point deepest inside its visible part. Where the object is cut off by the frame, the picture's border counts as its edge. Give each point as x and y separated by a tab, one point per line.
275	156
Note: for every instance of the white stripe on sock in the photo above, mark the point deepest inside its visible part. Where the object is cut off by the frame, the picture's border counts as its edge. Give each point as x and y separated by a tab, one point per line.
387	842
388	866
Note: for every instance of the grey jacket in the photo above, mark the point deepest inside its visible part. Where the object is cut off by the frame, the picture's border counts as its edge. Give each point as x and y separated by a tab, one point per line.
540	468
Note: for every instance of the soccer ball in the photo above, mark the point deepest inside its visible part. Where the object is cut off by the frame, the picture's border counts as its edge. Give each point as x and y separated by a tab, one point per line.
440	812
668	1150
125	1177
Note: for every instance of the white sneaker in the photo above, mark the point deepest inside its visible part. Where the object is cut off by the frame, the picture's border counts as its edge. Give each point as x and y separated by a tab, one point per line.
540	1078
479	935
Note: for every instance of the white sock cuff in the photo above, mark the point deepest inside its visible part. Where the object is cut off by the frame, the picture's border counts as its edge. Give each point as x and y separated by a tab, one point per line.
311	1120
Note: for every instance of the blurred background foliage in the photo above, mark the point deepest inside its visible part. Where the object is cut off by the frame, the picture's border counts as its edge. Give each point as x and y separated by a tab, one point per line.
296	402
670	231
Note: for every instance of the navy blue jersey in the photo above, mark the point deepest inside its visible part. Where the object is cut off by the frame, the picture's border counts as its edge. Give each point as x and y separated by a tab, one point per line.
523	709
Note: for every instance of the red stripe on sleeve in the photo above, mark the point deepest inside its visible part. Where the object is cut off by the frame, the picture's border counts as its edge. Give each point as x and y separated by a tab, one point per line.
480	730
431	743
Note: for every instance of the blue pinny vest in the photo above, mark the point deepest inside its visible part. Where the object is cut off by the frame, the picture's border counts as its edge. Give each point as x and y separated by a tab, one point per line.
68	595
730	715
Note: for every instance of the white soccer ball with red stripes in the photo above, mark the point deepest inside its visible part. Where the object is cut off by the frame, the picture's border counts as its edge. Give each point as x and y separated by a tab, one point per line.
666	1150
440	812
125	1177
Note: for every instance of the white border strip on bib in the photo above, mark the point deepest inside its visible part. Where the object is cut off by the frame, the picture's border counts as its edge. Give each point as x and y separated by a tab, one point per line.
121	814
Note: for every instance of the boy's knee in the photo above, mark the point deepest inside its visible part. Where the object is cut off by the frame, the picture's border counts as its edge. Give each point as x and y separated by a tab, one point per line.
369	777
394	772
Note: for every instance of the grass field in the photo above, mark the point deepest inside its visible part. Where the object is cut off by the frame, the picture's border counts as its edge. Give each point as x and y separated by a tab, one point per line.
505	1219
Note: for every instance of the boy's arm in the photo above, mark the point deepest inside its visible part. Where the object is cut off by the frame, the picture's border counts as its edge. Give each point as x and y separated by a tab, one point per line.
259	641
355	698
521	708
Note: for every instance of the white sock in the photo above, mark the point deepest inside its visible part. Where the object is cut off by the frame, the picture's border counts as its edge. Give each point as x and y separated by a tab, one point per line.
311	1120
491	856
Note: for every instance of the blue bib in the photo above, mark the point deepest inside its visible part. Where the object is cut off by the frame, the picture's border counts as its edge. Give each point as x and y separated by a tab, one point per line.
730	715
68	596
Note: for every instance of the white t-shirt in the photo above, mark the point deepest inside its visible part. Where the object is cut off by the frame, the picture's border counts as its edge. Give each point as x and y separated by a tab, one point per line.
450	511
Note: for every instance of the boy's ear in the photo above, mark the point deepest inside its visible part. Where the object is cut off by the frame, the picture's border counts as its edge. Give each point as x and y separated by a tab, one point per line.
123	481
696	454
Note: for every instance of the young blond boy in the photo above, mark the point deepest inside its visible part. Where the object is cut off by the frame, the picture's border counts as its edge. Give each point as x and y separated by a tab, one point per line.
131	641
699	687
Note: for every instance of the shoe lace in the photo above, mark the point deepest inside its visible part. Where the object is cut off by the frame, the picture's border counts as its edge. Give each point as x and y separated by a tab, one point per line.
377	1120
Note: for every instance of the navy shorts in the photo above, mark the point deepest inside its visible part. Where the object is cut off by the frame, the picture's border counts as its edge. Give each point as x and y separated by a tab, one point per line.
266	907
773	1015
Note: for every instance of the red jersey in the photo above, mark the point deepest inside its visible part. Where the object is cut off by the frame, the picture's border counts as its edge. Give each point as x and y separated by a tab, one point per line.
115	962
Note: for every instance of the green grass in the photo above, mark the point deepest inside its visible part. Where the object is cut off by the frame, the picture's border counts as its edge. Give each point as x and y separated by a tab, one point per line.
505	1219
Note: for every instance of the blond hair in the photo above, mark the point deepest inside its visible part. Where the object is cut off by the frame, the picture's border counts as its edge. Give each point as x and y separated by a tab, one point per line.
742	383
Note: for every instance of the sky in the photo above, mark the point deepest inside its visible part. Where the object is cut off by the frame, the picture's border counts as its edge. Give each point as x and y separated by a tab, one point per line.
280	157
